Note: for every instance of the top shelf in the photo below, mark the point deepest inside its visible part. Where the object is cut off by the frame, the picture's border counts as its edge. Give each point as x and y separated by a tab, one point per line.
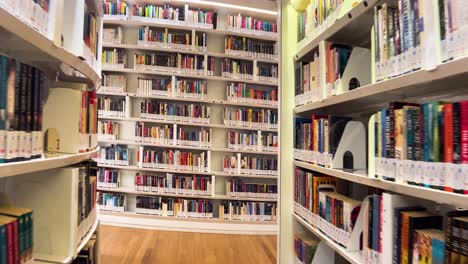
108	20
23	42
352	28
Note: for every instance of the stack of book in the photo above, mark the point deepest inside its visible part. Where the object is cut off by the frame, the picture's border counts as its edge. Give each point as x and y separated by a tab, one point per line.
112	202
16	234
22	94
247	47
108	178
114	155
177	184
247	211
111	107
422	144
239	188
162	110
174	160
249	117
108	130
239	93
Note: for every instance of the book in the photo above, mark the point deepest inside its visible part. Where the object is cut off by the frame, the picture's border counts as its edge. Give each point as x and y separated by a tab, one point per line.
8	240
304	247
23	232
453	229
428	246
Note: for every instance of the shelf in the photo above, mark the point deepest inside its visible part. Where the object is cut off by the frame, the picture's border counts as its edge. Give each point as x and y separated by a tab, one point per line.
215	149
189	196
51	161
136	23
413	87
188	99
187	75
406	189
354	257
353	29
219	174
90	233
135	119
23	42
186	51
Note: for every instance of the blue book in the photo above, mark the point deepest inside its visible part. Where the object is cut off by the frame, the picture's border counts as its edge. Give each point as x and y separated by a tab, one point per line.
383	116
438	251
375	222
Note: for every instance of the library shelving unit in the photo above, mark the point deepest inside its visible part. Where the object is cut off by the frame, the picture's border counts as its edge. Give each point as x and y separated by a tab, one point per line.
389	77
49	66
127	35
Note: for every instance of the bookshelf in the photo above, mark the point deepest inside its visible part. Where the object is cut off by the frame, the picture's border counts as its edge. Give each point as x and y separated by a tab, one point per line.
37	65
128	41
436	73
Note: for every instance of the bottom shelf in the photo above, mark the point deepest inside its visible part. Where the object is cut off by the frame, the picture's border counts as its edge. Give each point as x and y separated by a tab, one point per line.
353	257
220	226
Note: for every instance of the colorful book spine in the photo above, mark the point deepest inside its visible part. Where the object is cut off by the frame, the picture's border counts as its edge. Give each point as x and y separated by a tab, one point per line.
174	184
247	211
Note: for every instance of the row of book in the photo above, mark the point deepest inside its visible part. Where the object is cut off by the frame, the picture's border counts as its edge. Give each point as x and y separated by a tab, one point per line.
429	138
163	38
115	58
239	188
337	57
112	202
248	211
16	234
162	110
237	164
304	248
254	141
178	207
239	22
175	160
318	138
175	62
317	17
112	35
108	178
248	47
249	117
164	87
114	155
116	7
113	83
154	86
87	193
91	35
308	82
167	135
23	92
111	107
236	68
177	184
35	13
239	93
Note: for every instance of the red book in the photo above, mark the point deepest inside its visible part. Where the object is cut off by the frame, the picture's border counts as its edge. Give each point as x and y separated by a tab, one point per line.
448	138
464	133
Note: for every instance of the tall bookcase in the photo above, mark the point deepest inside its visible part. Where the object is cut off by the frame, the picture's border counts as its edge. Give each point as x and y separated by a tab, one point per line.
49	56
429	72
216	98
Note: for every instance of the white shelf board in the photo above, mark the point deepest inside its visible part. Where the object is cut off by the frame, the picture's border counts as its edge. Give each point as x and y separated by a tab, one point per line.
406	189
219	174
213	225
354	257
135	119
352	28
185	51
23	42
51	161
444	80
188	99
136	23
189	196
187	75
90	232
215	149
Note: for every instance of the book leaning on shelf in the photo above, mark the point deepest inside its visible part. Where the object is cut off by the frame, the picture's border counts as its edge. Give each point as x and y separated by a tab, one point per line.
238	164
177	207
247	211
317	139
183	112
23	92
169	159
250	117
422	144
174	184
239	188
16	234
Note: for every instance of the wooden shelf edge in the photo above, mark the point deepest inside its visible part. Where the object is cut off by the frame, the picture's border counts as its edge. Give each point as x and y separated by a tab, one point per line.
406	189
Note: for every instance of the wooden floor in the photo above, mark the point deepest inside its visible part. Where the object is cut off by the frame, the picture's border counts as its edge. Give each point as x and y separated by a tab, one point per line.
131	245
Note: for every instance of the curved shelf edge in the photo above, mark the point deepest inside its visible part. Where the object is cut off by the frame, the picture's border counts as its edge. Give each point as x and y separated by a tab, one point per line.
353	257
22	167
406	189
90	232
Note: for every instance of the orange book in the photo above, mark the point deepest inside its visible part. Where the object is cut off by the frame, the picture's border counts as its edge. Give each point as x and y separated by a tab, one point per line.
321	183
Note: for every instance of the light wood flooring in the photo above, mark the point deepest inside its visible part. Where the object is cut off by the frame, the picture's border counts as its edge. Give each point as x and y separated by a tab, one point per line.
130	245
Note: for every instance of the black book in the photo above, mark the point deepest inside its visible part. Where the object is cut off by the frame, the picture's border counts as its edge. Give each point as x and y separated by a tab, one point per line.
397	230
452	243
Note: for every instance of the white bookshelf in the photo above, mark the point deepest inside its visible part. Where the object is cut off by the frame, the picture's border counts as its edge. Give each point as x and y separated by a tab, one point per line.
435	81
